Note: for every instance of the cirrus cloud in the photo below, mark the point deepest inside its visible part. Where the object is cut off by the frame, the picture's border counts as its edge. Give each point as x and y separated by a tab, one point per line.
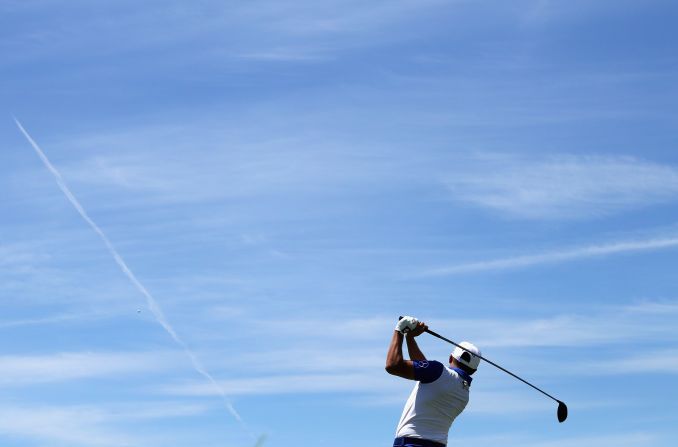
564	186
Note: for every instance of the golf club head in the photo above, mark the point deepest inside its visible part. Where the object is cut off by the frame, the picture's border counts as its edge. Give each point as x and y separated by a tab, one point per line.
562	411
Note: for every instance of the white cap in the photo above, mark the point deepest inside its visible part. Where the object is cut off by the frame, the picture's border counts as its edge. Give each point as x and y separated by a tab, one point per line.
467	356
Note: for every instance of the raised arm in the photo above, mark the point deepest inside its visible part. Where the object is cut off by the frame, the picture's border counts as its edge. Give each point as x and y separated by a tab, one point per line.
412	347
395	362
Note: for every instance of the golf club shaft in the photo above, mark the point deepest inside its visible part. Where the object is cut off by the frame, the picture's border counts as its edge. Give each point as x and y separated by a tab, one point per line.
493	364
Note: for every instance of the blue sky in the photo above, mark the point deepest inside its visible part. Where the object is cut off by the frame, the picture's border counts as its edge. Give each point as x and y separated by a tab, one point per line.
286	178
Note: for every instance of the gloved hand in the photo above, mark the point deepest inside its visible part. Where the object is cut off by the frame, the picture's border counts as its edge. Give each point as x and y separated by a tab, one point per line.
406	324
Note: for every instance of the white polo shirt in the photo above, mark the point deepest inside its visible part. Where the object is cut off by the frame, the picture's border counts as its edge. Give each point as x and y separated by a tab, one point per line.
440	395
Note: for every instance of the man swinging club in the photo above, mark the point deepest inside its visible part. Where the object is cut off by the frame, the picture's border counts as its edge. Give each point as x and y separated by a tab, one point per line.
441	392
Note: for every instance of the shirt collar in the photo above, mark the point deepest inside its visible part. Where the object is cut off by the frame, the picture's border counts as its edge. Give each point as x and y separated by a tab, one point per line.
464	375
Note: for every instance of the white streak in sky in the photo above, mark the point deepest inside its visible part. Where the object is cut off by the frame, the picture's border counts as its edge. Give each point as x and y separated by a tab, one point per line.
150	301
554	257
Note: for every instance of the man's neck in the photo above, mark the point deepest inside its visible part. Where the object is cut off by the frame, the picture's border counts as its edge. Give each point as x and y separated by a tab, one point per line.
464	375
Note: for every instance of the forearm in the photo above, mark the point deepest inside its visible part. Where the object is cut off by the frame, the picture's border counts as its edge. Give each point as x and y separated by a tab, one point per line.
395	362
413	349
394	357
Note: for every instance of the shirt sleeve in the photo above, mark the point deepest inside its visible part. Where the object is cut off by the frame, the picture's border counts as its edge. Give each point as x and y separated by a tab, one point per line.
427	372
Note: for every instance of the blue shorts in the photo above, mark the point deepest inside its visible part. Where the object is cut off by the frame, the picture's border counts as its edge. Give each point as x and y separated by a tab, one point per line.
405	441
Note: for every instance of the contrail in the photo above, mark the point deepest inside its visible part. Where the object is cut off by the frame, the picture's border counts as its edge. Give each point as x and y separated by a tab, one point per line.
555	256
150	301
261	440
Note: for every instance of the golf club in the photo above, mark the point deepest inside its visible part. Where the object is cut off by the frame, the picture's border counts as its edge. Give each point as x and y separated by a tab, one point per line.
562	408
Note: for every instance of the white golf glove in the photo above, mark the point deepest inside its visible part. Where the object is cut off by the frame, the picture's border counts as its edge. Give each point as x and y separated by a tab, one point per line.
406	324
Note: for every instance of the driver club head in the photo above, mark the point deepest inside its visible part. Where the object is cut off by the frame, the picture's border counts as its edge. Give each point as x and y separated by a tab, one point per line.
562	411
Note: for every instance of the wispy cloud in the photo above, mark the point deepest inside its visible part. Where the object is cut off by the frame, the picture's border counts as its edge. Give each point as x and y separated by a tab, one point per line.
225	166
89	425
302	30
604	326
53	319
295	54
31	369
664	307
62	426
561	186
20	255
292	384
650	360
554	257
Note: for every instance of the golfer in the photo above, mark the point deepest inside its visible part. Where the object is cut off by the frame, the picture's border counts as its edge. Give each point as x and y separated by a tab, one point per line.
441	392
